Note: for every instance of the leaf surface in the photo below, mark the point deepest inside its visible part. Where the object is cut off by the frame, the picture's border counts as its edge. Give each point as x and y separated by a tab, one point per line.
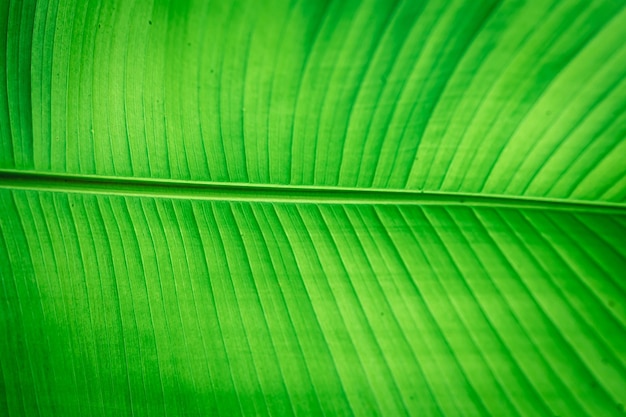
312	208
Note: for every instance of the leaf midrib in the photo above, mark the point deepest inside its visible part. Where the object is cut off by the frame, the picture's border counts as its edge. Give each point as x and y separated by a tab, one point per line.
275	193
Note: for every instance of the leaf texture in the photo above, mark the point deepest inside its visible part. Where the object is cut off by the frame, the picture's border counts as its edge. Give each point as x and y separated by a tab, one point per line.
165	307
312	208
518	98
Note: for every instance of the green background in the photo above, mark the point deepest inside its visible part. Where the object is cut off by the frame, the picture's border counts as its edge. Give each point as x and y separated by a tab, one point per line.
485	275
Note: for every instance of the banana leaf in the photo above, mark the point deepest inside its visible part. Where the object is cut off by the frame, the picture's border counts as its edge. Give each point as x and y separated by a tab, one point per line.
312	207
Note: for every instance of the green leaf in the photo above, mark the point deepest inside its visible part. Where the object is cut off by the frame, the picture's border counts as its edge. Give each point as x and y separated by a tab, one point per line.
312	208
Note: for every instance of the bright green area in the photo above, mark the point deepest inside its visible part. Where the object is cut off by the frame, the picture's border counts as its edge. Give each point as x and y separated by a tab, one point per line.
119	306
511	97
312	208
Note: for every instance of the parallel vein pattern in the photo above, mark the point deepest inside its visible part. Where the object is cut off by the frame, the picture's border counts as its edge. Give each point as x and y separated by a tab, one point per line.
501	97
141	306
299	207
